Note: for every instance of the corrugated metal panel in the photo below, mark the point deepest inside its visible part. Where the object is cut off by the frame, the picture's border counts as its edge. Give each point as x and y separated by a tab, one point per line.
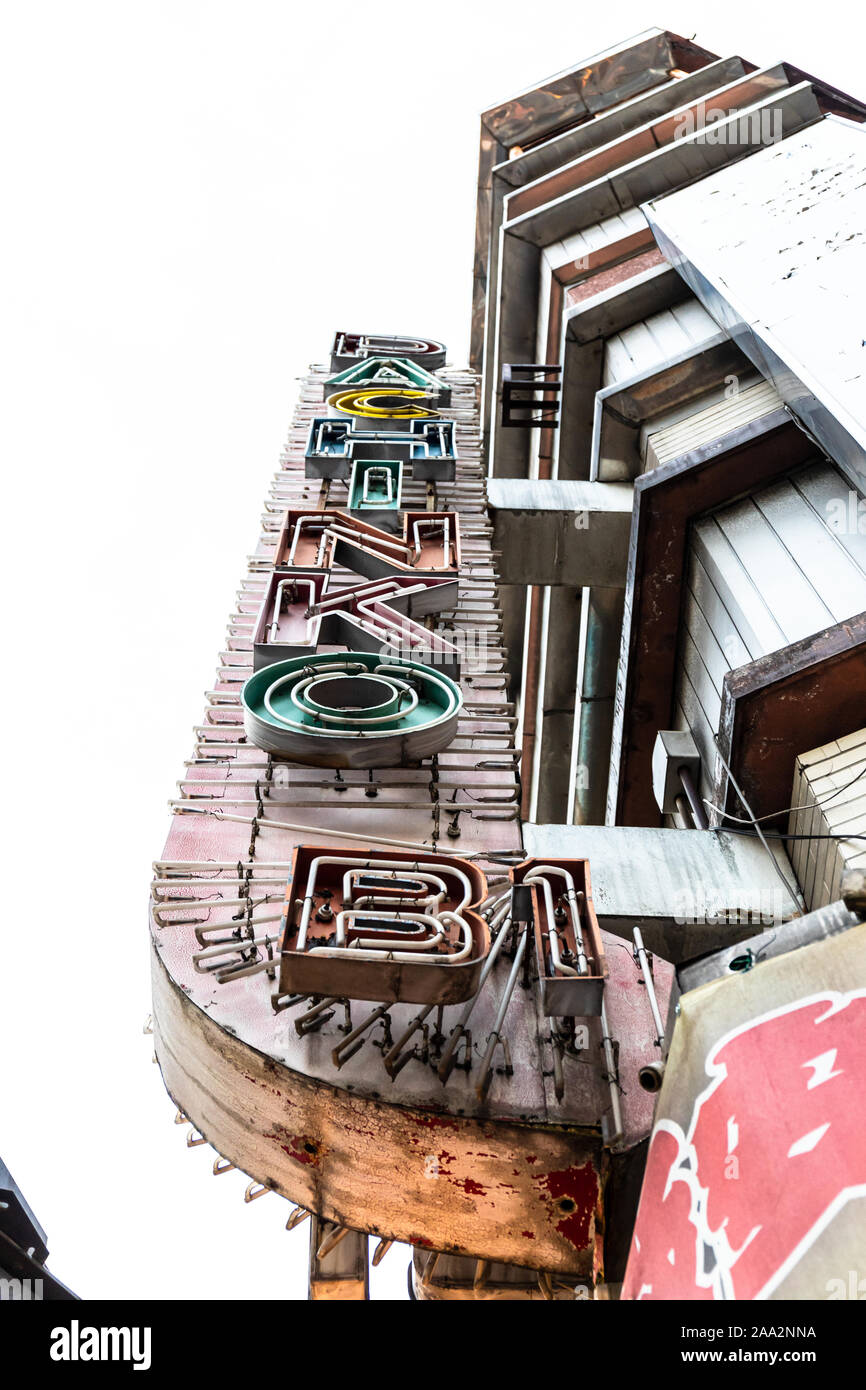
725	634
702	426
653	340
773	571
829	798
835	571
747	612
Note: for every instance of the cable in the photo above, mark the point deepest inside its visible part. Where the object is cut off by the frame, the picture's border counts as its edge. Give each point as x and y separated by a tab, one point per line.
793	893
771	815
778	835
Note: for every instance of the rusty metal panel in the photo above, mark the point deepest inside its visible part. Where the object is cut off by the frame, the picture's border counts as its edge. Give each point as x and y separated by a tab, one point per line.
471	1185
601	81
665	501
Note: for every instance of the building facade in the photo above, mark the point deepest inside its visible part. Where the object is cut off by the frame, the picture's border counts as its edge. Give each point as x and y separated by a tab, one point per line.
512	908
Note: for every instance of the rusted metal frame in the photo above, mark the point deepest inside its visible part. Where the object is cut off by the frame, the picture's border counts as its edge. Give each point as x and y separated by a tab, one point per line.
804	695
492	152
437	966
665	502
499	930
643	139
496	1037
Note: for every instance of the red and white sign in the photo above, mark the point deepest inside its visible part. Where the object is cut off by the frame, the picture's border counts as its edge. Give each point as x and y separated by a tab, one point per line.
775	1149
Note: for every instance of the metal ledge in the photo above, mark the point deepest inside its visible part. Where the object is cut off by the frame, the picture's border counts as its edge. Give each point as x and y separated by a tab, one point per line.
689	891
552	531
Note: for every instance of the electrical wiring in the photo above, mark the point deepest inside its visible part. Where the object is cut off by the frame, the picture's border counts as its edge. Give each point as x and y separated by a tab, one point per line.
778	835
772	815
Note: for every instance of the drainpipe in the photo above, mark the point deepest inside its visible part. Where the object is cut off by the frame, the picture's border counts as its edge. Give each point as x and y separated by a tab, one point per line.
530	697
536	630
600	630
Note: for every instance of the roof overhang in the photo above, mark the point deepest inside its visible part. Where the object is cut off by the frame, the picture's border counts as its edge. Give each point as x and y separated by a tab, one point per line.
787	288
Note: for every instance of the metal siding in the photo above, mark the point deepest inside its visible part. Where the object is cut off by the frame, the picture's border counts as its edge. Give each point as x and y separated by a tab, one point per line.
774	572
653	340
702	681
714	656
702	731
696	425
831	569
705	597
731	580
829	798
825	489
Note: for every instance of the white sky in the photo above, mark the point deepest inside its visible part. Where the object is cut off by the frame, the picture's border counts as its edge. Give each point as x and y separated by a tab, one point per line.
195	196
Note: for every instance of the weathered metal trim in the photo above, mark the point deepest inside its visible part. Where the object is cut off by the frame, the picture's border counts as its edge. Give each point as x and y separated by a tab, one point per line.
672	166
644	139
582	351
615	124
799	697
801	931
478	1185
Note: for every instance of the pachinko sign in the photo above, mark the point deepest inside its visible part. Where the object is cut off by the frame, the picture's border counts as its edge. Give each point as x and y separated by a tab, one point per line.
755	1185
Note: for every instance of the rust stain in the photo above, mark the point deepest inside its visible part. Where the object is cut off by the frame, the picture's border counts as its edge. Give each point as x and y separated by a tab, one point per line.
302	1147
431	1121
469	1185
574	1194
